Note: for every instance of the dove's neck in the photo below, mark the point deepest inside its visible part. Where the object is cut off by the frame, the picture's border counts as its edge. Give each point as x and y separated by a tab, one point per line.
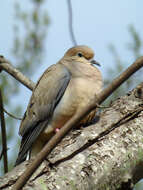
80	69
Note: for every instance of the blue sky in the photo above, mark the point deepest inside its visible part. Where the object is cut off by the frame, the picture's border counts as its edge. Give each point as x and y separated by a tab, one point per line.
96	24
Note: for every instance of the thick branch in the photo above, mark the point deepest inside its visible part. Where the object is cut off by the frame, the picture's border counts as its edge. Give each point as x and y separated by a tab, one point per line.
68	126
6	66
112	161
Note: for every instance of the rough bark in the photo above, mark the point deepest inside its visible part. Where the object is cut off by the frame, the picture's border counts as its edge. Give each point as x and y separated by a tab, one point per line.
114	161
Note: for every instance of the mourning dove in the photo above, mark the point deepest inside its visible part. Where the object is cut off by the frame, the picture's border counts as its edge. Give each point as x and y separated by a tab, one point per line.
62	90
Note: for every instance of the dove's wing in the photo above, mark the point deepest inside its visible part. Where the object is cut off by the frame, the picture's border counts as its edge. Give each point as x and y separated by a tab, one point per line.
45	97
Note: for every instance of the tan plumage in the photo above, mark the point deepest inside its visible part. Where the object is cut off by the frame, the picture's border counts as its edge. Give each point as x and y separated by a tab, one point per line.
61	91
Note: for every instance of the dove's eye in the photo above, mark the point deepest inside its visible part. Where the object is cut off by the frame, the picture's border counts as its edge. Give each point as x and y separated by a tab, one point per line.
80	54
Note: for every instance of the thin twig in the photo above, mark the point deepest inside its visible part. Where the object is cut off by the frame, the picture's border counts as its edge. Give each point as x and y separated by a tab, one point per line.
11	115
5	65
71	23
3	131
120	79
72	122
1	154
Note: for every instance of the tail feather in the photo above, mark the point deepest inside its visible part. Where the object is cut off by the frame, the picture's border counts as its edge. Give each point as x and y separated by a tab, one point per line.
27	141
21	157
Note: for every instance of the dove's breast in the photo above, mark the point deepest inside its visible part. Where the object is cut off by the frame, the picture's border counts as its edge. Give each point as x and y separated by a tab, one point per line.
76	96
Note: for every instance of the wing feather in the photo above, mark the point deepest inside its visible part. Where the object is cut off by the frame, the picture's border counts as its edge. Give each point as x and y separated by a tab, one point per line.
45	97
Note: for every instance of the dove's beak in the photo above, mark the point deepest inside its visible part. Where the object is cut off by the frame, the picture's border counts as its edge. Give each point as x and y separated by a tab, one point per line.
93	62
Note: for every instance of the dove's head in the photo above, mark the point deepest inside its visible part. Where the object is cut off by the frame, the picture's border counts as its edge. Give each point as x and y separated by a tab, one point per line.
81	54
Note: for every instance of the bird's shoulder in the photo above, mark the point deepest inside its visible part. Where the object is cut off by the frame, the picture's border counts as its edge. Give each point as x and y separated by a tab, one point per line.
54	70
47	92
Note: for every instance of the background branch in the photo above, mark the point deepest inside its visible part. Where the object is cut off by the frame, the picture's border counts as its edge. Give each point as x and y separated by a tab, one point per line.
11	115
68	126
3	132
1	154
6	66
71	30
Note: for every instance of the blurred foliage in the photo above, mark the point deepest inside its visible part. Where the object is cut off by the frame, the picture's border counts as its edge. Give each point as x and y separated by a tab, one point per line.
135	48
30	30
29	38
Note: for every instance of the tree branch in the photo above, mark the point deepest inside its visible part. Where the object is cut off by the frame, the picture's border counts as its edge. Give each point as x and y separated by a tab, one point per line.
71	30
11	115
111	163
3	130
1	154
6	66
120	79
79	116
101	135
